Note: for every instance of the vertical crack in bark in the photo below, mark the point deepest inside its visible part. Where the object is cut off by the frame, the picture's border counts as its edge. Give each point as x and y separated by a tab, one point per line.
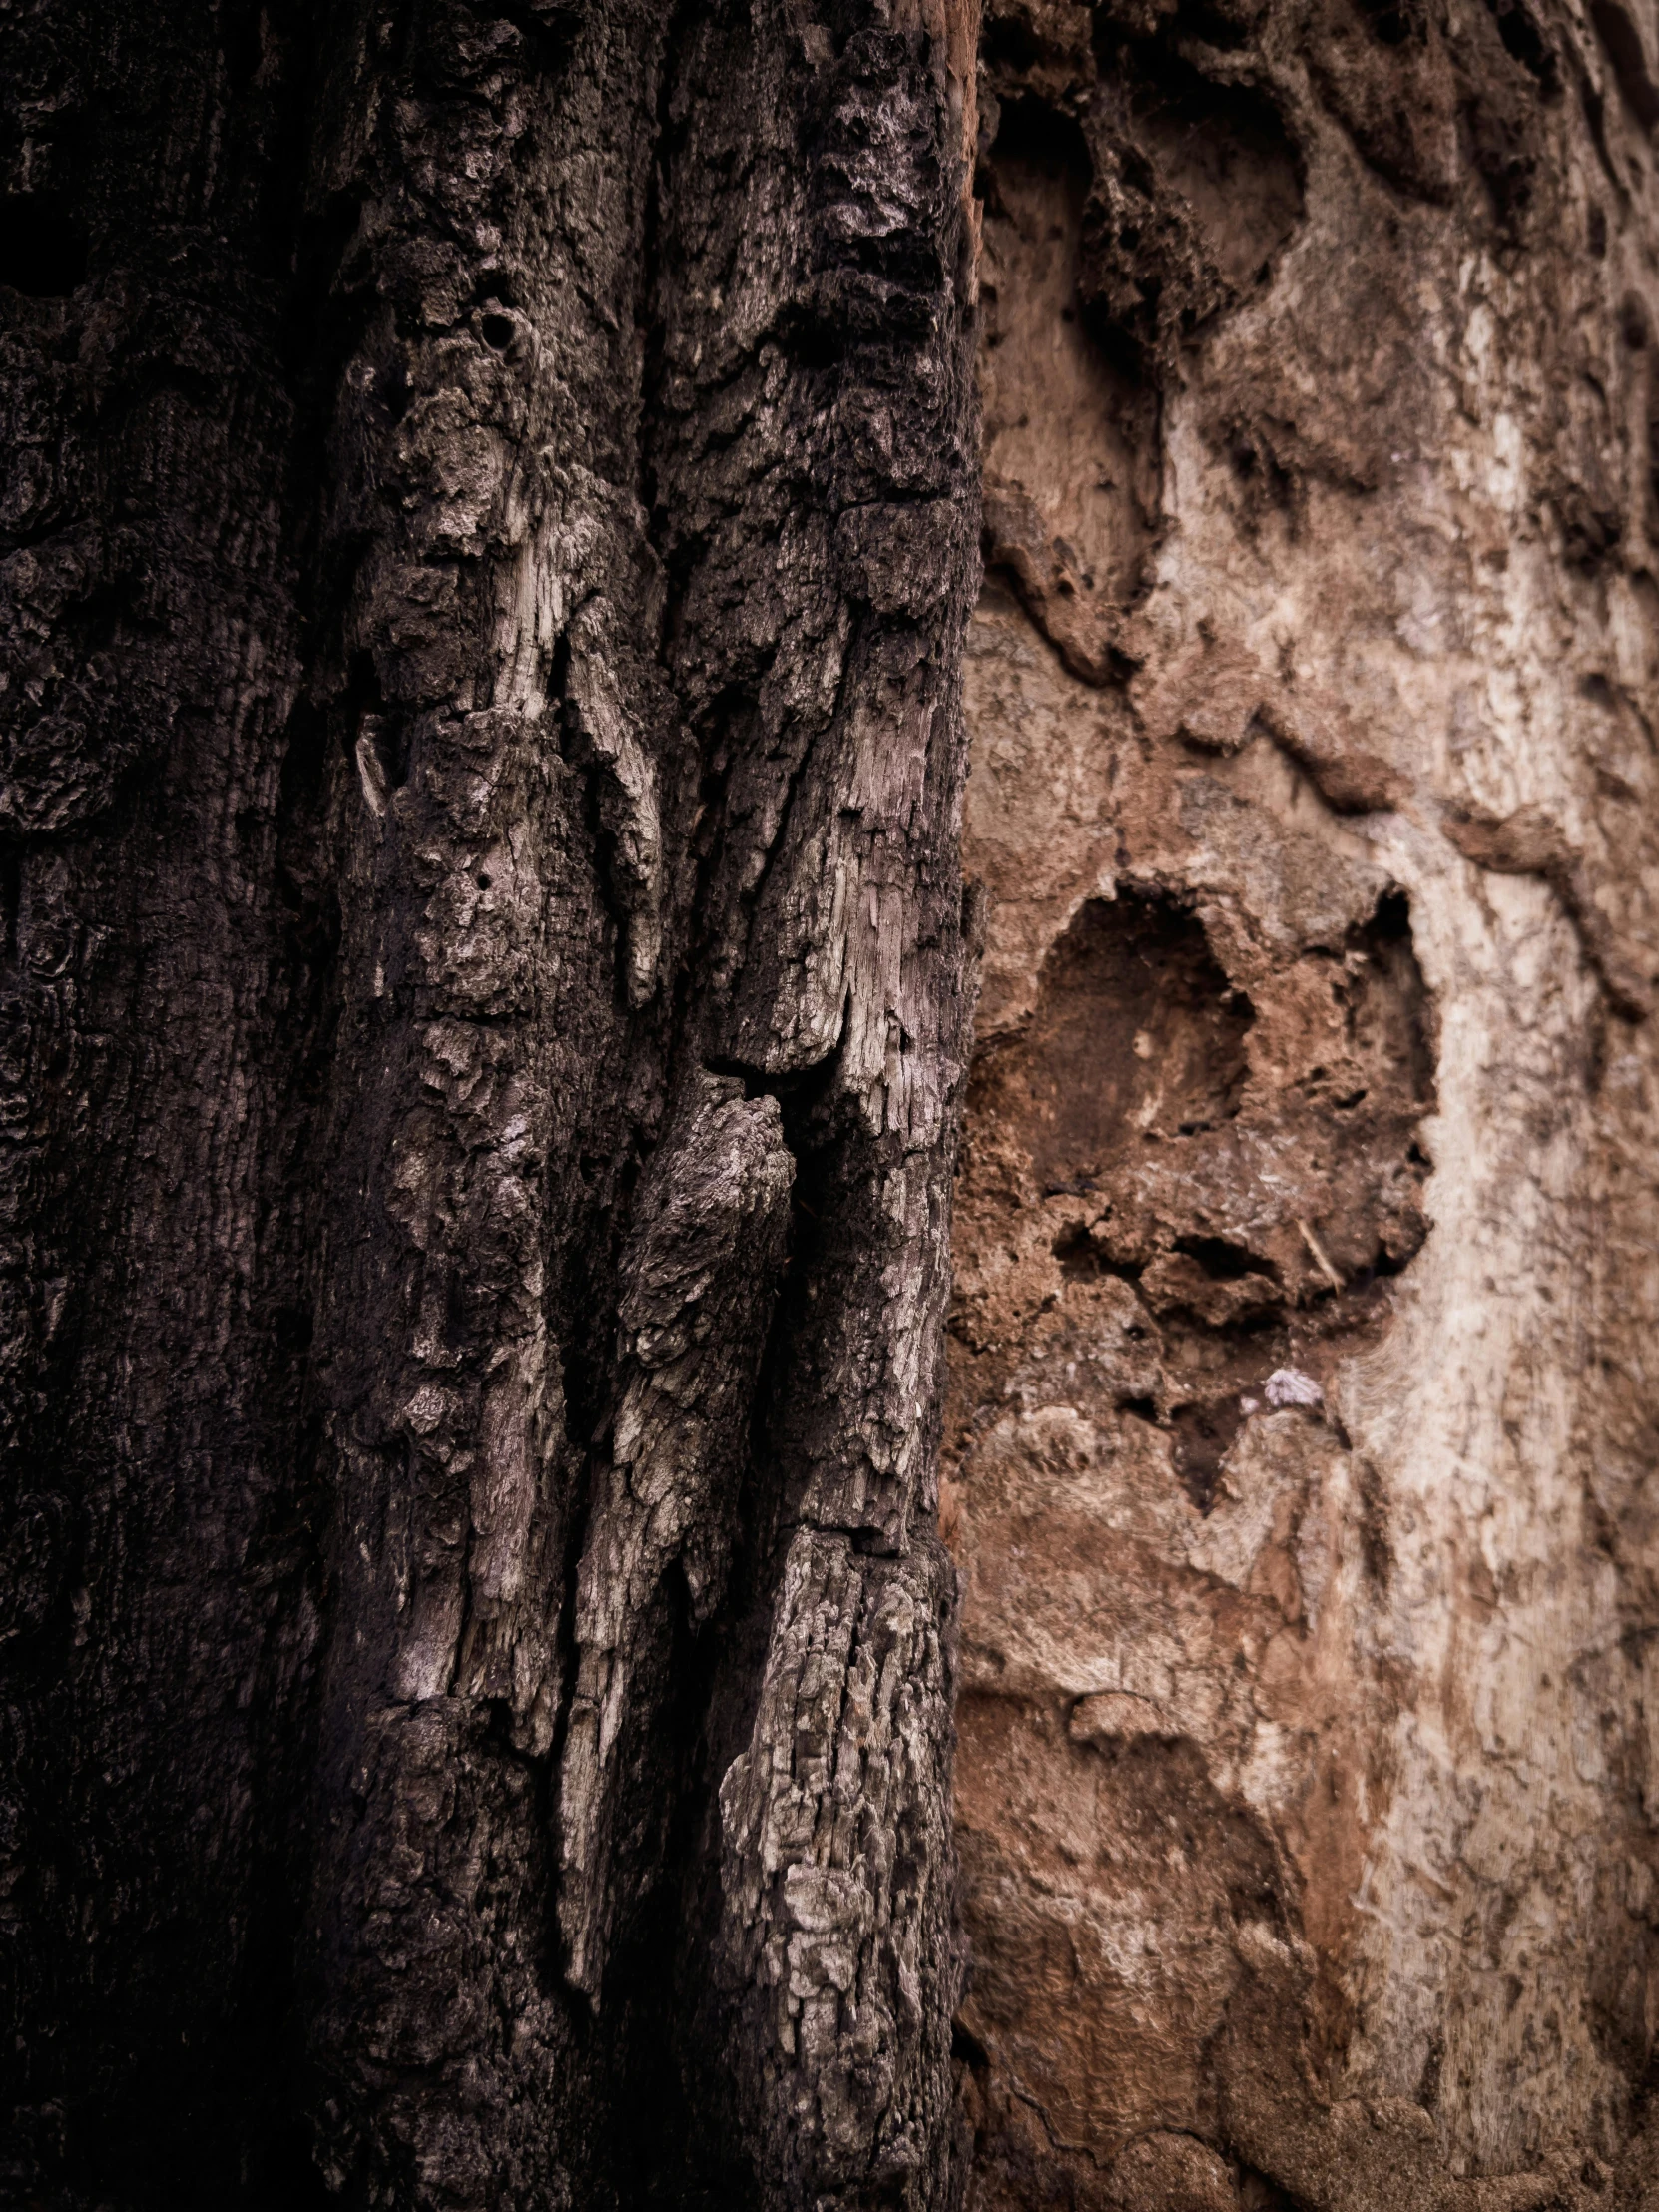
699	1277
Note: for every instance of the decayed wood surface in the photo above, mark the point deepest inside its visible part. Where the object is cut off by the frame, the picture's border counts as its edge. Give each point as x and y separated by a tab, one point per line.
1300	1447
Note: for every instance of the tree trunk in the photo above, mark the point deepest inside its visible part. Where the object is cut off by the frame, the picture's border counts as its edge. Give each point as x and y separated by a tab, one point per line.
1303	1423
491	520
489	538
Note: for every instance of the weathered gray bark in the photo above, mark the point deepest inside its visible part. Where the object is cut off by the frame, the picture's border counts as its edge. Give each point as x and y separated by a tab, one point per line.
490	520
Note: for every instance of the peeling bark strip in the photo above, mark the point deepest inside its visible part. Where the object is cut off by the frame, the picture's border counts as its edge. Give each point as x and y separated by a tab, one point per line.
490	526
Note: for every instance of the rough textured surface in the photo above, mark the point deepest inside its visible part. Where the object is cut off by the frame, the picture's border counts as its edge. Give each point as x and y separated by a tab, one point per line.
1301	1426
487	529
698	1282
491	519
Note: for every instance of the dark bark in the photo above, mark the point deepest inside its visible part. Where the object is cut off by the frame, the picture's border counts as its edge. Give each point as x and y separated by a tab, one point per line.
488	531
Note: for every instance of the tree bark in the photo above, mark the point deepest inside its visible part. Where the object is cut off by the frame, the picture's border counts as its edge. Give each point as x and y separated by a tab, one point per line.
491	519
1301	1441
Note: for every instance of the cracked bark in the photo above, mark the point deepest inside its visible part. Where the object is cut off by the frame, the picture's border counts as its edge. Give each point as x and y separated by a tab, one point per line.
489	528
491	521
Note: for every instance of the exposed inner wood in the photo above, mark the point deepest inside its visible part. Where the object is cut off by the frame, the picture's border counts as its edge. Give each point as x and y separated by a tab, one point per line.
1299	1438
